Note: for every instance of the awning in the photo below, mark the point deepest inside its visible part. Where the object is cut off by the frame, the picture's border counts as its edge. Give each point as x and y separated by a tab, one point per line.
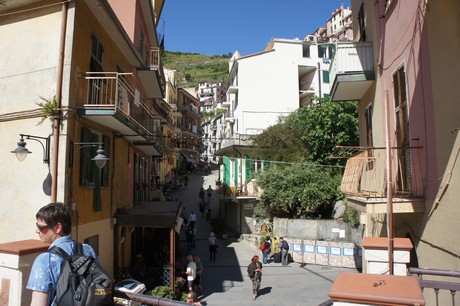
150	214
188	157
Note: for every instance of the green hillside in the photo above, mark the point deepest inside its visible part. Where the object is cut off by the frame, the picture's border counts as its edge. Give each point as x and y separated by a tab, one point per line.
194	68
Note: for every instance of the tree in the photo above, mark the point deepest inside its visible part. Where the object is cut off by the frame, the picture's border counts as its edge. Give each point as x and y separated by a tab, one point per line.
307	138
302	191
323	126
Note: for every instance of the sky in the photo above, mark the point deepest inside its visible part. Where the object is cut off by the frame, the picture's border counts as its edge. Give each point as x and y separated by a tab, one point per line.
217	27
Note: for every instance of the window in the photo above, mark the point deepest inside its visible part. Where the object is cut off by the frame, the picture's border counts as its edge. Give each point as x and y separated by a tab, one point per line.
306	50
88	168
361	23
403	178
95	85
326	76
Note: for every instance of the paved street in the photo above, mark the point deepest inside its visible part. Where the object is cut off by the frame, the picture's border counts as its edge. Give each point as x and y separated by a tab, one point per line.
225	281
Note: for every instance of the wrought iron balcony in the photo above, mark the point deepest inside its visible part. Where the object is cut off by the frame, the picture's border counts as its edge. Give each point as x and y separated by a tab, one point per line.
352	71
108	99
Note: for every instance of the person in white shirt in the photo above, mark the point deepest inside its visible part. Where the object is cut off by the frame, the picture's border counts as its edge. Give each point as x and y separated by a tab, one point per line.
192	218
191	272
212	247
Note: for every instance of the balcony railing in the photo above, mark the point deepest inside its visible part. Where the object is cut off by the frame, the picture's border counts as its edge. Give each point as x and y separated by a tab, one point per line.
436	285
237	139
365	174
112	90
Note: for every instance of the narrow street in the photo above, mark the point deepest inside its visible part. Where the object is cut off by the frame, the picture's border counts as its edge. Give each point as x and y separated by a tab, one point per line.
225	281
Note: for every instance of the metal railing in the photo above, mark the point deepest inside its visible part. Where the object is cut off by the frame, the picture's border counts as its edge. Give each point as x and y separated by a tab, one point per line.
112	89
437	285
365	174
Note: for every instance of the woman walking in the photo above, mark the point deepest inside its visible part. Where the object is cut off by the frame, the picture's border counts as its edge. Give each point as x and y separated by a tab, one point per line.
255	274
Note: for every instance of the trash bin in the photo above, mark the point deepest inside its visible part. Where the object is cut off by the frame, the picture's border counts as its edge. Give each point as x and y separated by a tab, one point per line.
130	286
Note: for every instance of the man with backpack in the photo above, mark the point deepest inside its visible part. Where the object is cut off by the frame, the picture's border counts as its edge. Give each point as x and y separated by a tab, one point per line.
284	250
52	271
265	247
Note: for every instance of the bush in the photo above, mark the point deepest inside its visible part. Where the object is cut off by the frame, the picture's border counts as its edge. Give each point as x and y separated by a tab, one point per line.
351	215
165	292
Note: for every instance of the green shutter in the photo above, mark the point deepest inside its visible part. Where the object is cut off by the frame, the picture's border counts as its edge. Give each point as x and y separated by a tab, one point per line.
247	162
226	164
325	76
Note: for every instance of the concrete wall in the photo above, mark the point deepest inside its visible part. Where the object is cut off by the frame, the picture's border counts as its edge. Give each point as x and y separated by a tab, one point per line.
328	230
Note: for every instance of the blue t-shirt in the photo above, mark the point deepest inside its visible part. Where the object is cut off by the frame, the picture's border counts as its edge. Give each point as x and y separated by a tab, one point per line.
47	267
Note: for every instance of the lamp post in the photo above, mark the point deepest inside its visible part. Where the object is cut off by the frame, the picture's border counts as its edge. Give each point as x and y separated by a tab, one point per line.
21	153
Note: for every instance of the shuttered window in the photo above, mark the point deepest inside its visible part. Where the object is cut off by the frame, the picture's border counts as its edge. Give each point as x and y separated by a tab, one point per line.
403	178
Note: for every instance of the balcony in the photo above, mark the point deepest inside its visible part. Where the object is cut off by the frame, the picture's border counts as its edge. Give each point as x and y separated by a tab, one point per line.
237	140
151	76
364	183
352	71
233	89
229	117
226	104
107	99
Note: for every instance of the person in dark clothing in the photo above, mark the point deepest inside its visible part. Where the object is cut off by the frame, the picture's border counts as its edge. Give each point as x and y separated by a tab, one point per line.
255	274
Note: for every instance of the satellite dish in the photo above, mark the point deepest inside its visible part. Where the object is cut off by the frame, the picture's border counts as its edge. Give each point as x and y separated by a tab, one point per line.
339	209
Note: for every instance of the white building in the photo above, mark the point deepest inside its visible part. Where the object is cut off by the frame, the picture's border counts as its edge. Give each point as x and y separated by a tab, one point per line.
273	83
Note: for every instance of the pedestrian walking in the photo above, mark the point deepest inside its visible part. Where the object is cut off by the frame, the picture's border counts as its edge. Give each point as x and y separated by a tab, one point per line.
199	273
212	246
191	272
190	237
201	194
192	218
208	214
209	191
255	274
202	207
284	250
53	226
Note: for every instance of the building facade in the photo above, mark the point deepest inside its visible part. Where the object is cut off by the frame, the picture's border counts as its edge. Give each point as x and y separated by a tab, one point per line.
409	117
105	91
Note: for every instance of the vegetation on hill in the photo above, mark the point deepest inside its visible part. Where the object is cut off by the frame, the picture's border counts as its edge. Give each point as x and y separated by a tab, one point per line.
194	68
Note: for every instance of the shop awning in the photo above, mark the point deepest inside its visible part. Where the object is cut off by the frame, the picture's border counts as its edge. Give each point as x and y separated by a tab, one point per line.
150	214
188	157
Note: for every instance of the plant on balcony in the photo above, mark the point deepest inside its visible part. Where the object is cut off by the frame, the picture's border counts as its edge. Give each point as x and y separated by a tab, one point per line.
49	108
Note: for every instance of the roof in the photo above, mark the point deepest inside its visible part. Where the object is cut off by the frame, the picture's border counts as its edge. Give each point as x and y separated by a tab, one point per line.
150	214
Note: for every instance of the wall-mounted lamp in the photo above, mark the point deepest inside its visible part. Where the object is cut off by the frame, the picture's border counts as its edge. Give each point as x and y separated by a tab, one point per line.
21	151
100	159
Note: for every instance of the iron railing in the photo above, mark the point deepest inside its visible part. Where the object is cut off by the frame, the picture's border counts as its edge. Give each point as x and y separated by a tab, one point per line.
437	285
113	90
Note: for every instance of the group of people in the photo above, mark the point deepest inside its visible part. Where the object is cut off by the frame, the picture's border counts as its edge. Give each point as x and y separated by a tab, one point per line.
266	248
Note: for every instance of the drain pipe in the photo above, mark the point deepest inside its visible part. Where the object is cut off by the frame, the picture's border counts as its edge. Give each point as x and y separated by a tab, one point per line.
57	119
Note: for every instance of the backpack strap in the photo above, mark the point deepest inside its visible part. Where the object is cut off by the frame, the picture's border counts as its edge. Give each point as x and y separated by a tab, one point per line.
59	252
78	248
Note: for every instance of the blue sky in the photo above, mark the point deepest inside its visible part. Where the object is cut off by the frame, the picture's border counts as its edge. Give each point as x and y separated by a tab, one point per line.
216	27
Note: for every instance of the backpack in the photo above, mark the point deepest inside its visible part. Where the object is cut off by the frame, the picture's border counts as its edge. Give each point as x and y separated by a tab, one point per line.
82	280
262	246
286	245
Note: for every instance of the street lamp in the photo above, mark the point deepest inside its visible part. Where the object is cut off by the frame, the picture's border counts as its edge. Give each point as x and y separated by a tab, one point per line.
100	159
21	151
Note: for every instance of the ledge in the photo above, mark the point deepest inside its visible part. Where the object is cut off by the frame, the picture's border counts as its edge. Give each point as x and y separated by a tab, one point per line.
23	247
